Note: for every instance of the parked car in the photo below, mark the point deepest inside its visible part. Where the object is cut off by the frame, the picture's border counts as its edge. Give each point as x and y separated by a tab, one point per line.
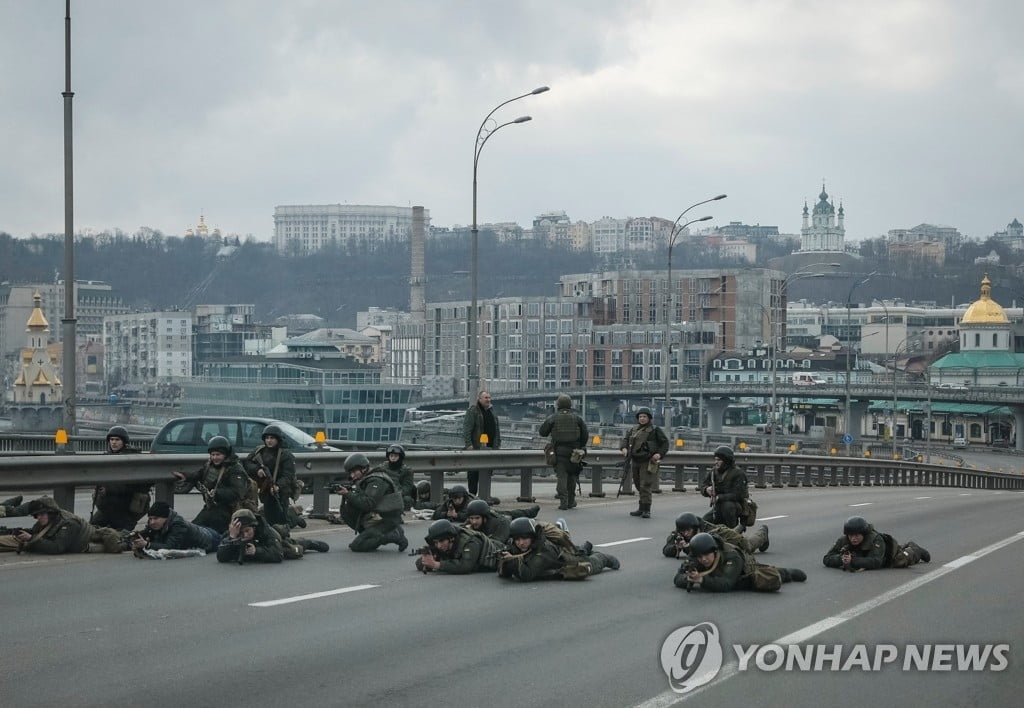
959	443
191	434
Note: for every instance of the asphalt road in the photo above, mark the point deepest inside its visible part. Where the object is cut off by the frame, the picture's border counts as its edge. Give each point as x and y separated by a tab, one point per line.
112	630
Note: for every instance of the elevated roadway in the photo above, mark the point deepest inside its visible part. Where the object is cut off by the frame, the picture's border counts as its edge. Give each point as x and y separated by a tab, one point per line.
348	629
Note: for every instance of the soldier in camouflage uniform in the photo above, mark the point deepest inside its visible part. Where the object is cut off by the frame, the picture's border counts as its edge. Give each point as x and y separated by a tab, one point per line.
726	486
480	517
272	467
533	555
250	539
372	506
457	550
400	473
120	505
861	547
224	484
643	447
58	531
718	566
689	525
568	432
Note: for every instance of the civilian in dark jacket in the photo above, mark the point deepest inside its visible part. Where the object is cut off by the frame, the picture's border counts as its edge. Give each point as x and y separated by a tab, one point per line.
169	529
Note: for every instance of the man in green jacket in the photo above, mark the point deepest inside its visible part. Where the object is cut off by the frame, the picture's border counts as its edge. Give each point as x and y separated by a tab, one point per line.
457	550
223	483
720	567
120	505
272	467
726	486
861	547
58	531
480	431
538	551
372	506
568	432
643	447
689	525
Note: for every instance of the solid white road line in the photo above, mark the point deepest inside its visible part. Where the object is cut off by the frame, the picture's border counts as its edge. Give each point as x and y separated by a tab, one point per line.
311	596
772	518
862	504
619	543
729	670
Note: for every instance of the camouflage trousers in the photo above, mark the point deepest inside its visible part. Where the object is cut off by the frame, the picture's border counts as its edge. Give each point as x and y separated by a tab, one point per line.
645	477
373	537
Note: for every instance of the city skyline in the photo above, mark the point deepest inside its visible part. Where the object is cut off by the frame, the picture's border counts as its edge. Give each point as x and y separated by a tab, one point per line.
905	110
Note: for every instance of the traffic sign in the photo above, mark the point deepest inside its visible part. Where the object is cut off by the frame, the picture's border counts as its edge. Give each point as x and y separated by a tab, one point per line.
847	438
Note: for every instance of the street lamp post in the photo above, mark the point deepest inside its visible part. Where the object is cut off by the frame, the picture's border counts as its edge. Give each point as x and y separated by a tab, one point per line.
670	301
895	403
487	128
776	336
849	297
700	381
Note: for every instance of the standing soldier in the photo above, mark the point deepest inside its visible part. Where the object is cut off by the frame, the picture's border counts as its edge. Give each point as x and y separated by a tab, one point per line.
643	447
726	486
480	420
223	483
372	506
400	473
273	469
119	506
568	433
862	548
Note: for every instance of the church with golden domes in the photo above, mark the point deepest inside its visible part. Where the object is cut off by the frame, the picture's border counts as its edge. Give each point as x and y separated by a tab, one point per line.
37	393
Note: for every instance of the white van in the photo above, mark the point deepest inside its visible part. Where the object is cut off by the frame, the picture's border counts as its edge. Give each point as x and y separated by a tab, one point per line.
808	380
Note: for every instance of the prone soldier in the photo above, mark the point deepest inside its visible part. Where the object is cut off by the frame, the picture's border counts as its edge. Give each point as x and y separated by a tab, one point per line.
250	539
538	550
167	529
57	531
688	525
457	550
717	566
861	547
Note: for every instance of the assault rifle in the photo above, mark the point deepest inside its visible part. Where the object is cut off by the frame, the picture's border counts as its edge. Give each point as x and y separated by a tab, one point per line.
12	531
207	494
688	566
626	465
239	543
422	551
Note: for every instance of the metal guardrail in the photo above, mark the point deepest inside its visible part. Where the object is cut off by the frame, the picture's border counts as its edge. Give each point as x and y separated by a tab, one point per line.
62	474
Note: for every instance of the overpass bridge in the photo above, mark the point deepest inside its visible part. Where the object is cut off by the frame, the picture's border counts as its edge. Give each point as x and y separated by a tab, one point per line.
718	396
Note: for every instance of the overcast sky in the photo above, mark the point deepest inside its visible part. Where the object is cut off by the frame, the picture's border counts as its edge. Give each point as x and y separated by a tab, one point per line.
911	111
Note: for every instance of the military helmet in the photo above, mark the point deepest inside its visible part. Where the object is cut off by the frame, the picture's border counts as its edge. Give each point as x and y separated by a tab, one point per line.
644	411
275	430
245	517
423	488
478	507
703	543
396	449
118	431
726	453
356	461
687	521
458	491
219	443
441	529
522	527
563	402
855	524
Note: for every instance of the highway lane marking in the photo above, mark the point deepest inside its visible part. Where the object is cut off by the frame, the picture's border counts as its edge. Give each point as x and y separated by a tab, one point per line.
772	518
968	494
311	596
619	543
922	497
670	698
862	504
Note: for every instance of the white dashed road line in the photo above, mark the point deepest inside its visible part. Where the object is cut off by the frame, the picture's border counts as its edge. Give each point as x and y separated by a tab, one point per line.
311	596
862	504
772	518
619	543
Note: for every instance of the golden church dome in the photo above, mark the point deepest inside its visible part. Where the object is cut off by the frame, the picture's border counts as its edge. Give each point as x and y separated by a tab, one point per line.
985	310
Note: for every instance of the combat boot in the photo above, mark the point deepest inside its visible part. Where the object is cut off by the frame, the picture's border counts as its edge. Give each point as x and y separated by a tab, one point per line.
792	575
922	555
639	511
587	548
402	541
764	546
645	513
311	545
532	512
13	501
